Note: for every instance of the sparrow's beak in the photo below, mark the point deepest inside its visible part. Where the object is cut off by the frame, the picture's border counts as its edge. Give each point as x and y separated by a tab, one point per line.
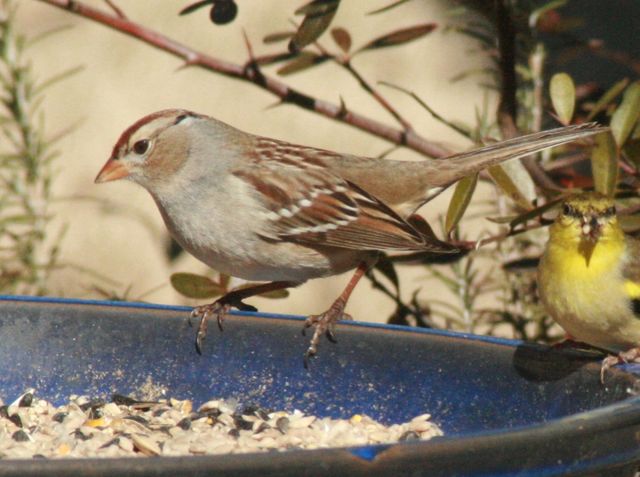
113	170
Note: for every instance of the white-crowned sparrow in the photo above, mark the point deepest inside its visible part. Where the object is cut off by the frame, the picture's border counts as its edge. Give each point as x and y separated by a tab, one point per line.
266	210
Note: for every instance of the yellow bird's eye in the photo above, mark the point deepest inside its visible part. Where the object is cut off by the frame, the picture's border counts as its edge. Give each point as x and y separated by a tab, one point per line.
566	209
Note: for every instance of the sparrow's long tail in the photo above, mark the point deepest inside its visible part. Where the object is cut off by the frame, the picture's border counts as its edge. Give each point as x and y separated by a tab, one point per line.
466	163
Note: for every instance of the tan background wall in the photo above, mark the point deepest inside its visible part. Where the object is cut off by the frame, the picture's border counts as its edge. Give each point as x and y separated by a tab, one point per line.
121	234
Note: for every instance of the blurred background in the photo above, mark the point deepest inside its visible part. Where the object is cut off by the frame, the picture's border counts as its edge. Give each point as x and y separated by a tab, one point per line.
108	241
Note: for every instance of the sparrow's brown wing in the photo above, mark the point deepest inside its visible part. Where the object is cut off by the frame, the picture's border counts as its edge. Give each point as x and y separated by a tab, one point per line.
307	203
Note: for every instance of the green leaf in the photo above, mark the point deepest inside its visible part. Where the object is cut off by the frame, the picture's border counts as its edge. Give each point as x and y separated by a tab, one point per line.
501	220
318	7
636	132
278	37
342	38
195	286
563	96
631	150
18	219
626	115
460	201
533	213
318	17
275	294
515	182
604	164
607	97
305	60
520	265
400	37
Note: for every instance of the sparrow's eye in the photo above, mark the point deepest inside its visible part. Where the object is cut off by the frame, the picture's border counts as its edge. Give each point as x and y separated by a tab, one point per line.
141	146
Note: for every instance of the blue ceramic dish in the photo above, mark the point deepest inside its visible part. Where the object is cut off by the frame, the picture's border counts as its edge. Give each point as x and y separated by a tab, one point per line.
507	408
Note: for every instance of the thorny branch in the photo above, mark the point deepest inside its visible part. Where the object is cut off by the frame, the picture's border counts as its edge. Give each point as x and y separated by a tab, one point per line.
251	72
345	62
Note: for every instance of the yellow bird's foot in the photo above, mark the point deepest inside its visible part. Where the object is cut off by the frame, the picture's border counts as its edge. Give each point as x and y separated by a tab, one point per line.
630	356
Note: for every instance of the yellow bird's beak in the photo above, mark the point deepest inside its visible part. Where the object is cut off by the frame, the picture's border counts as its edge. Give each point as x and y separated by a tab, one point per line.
591	228
113	170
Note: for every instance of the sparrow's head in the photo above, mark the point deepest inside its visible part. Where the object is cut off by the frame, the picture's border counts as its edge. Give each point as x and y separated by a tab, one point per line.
154	146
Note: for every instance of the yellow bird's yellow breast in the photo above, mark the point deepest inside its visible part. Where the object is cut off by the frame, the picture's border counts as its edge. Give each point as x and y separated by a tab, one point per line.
585	292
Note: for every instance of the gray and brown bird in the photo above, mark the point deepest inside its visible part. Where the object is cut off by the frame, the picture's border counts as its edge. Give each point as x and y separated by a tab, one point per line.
267	210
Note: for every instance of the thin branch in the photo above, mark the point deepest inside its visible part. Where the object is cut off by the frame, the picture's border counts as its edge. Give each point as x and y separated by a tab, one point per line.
508	107
251	74
345	62
535	169
566	161
468	245
377	96
433	113
115	8
536	65
510	233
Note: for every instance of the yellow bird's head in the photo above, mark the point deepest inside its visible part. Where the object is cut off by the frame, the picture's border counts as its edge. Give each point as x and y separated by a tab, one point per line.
584	221
588	217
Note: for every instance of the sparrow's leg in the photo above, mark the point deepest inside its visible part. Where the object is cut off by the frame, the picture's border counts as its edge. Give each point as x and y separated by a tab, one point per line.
630	356
219	308
326	322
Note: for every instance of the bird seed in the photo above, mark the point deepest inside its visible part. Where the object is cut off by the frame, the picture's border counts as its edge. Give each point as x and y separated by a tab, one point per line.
33	428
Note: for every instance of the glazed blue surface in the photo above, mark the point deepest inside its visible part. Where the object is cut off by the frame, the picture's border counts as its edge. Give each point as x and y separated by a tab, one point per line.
472	386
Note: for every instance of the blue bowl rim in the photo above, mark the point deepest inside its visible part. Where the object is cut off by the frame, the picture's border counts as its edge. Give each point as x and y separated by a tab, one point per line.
258	314
601	419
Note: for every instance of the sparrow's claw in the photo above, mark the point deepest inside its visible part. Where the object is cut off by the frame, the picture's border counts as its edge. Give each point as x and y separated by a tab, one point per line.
630	356
324	323
216	309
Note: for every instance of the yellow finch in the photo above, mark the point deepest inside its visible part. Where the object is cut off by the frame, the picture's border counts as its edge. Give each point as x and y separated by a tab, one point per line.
589	277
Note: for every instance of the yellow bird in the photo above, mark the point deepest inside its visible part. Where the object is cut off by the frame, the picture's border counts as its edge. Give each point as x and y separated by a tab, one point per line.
589	277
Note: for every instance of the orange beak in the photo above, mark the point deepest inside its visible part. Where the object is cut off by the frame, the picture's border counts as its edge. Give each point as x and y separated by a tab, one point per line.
112	171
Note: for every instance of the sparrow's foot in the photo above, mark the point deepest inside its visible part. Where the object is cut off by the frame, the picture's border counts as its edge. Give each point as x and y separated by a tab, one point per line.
630	356
324	323
218	310
215	310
